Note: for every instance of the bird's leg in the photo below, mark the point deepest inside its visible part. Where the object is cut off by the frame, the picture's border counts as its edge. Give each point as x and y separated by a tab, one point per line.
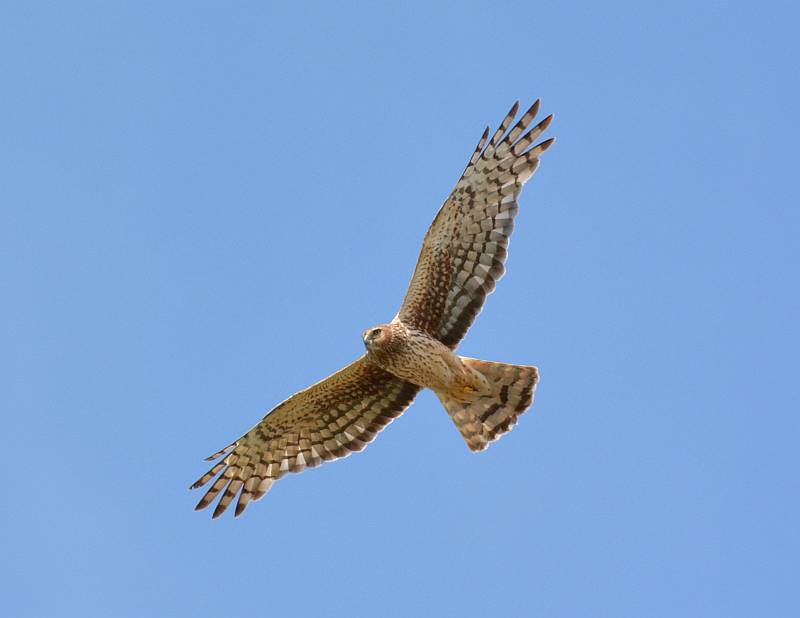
466	383
475	383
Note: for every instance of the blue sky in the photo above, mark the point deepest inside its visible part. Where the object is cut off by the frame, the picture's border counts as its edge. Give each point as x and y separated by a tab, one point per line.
203	205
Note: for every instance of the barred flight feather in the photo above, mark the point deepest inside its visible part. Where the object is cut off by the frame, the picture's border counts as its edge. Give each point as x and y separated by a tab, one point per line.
331	419
464	251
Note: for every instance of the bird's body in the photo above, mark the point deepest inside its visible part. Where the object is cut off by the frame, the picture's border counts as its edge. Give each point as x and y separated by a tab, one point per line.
415	356
462	258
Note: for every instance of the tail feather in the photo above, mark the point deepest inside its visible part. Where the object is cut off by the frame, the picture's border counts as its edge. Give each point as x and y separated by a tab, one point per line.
484	418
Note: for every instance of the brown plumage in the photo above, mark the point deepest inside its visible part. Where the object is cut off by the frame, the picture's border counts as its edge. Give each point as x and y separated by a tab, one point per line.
461	260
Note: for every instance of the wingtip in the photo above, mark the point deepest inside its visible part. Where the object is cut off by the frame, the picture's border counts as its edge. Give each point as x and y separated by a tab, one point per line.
223	451
546	144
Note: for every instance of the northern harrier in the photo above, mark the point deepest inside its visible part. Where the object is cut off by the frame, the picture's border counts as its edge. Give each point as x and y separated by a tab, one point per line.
461	260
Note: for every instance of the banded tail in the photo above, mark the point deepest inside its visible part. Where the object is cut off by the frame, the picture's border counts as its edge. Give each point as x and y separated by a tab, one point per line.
485	418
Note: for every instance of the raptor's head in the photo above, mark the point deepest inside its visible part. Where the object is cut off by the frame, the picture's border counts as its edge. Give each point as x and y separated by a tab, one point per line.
376	336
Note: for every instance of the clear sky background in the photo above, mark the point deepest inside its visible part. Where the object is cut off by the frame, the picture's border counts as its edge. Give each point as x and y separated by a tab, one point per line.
204	203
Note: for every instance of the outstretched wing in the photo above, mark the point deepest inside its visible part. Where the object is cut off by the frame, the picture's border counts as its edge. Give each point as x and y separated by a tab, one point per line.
464	250
331	419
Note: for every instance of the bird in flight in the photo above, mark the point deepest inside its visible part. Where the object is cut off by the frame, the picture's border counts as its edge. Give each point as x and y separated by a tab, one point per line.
460	262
